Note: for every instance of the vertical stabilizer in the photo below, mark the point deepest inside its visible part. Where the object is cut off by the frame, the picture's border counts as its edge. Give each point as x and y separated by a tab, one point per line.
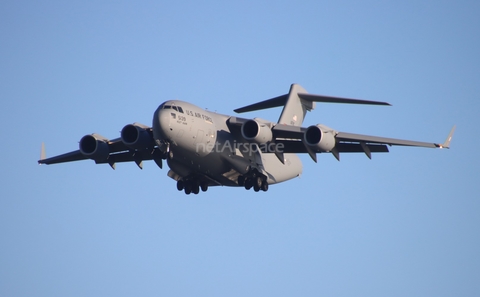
295	107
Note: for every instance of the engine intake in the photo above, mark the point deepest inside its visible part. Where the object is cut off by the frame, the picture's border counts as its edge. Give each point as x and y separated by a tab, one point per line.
136	136
95	147
256	132
320	138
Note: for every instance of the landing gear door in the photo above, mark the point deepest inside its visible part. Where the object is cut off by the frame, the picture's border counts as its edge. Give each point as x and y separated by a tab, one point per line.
257	158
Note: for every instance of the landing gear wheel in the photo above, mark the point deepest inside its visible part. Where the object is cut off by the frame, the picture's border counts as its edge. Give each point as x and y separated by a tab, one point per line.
264	186
170	155
258	181
256	188
248	184
204	186
188	188
195	188
180	185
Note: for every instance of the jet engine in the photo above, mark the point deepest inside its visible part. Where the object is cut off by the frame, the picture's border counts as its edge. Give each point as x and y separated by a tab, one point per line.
320	138
94	146
136	136
256	132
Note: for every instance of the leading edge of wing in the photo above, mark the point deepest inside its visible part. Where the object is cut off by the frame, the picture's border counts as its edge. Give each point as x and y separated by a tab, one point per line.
351	137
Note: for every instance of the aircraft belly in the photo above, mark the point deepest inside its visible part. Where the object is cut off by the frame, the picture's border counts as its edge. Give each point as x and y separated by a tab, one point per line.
187	163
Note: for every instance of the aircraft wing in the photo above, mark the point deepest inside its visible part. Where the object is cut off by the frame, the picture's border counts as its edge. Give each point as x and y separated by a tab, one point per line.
292	140
291	137
68	157
298	147
114	151
115	146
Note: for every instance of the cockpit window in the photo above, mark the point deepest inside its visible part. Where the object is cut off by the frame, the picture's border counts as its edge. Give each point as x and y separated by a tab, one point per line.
177	108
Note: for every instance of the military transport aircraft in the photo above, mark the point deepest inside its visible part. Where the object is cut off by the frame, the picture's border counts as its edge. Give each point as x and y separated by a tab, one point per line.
204	148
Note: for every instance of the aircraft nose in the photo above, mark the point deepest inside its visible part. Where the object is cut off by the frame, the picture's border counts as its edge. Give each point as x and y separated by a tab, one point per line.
161	124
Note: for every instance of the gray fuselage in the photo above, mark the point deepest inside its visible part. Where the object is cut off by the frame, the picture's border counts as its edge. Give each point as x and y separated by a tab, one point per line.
201	144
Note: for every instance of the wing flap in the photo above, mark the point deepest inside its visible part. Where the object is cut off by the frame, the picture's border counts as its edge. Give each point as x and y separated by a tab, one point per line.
130	156
295	146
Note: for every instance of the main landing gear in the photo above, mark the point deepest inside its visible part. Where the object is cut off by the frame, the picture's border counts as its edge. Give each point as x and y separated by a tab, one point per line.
254	180
192	186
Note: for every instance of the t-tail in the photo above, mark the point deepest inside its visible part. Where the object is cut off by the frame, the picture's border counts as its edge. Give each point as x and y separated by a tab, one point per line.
297	102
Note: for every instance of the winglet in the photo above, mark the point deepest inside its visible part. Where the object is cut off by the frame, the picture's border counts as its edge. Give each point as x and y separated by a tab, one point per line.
43	156
446	144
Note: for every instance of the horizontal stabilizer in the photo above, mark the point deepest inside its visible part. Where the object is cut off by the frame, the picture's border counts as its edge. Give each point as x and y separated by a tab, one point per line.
282	100
270	103
330	99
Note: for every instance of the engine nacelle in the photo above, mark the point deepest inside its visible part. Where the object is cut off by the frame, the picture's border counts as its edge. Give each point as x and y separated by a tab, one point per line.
256	132
320	138
136	136
95	147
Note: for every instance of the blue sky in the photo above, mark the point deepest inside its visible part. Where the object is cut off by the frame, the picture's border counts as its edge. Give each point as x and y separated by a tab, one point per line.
402	224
